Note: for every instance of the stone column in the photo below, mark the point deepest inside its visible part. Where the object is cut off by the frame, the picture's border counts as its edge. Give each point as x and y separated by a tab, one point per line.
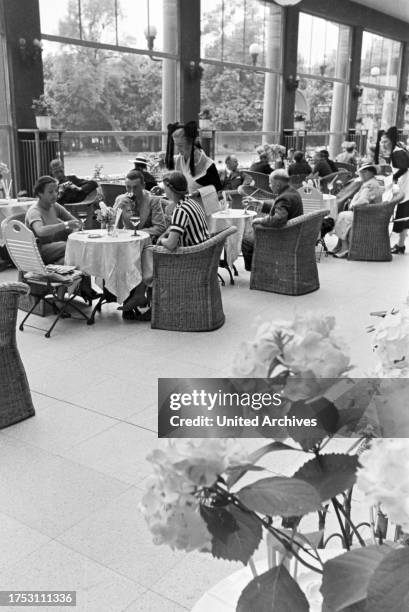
21	76
271	104
339	93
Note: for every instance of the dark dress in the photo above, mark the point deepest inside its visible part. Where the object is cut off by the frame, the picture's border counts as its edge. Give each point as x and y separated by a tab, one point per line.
400	163
262	167
302	167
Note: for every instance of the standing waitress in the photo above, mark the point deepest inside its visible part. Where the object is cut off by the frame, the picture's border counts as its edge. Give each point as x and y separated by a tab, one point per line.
399	160
184	154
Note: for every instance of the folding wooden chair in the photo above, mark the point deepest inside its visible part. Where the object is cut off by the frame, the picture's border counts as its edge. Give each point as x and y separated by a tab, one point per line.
45	282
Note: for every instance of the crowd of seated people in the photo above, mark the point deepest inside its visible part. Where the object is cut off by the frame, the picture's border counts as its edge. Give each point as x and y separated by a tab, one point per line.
176	217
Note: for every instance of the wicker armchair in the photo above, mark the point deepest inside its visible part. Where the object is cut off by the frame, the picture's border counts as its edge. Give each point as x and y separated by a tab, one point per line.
15	398
110	191
261	181
186	291
370	232
284	258
87	206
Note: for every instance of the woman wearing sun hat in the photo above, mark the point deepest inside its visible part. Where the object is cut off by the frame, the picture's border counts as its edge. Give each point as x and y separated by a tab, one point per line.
188	224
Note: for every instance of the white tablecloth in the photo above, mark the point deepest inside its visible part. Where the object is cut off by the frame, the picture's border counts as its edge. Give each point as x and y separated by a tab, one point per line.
115	260
330	201
8	208
222	220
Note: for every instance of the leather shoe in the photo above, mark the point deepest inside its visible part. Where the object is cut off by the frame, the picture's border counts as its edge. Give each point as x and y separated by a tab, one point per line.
143	316
398	250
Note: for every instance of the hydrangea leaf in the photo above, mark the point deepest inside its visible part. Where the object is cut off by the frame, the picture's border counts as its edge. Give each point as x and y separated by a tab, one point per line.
389	584
280	496
346	577
237	544
329	474
275	590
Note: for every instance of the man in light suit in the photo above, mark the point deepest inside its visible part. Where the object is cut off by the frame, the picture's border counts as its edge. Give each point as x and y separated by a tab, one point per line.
138	201
369	193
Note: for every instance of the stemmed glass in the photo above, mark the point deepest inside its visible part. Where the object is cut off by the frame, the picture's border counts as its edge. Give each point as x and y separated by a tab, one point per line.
82	216
135	222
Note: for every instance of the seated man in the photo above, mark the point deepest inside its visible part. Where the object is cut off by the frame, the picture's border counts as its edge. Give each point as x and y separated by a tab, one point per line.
138	201
50	222
321	165
369	193
141	164
187	227
262	164
286	206
71	189
300	165
232	177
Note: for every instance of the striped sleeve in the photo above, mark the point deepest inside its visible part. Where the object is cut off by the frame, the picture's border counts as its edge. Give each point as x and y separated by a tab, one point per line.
180	220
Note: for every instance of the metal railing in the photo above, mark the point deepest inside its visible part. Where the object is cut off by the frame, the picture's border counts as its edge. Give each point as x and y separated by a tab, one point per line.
85	151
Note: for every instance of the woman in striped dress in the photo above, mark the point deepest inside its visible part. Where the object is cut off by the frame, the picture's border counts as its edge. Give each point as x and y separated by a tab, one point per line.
188	224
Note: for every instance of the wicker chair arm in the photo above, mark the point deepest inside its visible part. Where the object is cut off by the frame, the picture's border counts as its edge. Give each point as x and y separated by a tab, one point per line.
292	223
197	248
14	287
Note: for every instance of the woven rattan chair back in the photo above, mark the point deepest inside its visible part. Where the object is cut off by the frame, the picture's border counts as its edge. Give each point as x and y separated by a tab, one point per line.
297	180
22	247
110	192
15	397
370	232
349	167
261	181
186	290
284	258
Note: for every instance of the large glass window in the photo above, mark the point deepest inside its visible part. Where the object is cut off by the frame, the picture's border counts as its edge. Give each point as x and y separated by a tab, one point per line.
230	27
323	66
380	71
114	22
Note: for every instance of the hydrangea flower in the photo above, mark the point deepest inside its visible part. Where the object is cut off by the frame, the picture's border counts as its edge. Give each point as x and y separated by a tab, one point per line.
170	504
384	477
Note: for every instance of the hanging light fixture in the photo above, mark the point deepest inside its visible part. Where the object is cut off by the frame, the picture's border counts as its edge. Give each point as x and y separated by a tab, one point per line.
151	30
287	2
254	51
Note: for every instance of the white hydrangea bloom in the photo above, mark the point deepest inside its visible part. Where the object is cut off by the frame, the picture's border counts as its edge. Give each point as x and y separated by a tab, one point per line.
384	477
170	505
391	344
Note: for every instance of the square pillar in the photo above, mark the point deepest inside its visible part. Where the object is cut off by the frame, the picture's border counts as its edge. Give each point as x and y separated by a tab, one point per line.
190	70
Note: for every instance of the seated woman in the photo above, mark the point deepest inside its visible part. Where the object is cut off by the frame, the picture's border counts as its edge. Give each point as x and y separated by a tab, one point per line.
190	159
188	227
369	193
49	221
188	224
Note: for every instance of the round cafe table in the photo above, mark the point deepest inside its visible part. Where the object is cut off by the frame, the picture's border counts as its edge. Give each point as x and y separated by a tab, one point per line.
115	261
223	219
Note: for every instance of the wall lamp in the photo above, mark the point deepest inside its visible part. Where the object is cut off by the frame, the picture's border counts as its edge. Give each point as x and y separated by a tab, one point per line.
194	70
30	52
357	91
150	33
292	82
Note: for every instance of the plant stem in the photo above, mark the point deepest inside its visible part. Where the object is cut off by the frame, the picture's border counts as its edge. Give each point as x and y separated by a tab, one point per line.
341	524
282	538
354	529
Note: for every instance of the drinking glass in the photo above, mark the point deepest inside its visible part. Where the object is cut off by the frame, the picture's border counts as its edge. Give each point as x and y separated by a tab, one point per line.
135	222
82	216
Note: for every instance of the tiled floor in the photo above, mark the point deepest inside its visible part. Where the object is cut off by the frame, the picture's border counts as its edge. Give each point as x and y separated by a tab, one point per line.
72	476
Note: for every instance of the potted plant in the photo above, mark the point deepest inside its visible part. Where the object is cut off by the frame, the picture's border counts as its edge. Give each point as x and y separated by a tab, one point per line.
42	111
299	121
205	119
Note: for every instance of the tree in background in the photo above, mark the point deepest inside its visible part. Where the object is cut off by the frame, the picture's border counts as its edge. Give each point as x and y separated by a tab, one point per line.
95	89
